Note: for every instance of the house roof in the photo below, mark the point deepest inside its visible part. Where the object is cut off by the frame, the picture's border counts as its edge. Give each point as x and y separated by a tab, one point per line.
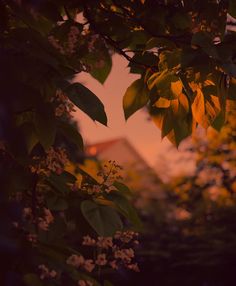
97	148
94	149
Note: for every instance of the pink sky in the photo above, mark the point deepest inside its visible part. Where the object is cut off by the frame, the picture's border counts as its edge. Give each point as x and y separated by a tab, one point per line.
141	133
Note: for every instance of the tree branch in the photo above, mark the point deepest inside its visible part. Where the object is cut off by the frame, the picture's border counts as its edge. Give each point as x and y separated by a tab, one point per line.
67	13
113	43
173	38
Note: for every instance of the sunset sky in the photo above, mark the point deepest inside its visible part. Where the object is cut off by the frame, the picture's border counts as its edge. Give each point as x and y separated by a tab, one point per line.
141	132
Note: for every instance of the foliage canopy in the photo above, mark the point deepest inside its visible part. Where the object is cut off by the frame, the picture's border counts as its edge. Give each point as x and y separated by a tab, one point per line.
182	50
186	61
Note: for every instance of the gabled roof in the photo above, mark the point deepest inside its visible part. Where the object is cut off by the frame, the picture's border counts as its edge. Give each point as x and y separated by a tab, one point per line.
101	146
102	149
97	148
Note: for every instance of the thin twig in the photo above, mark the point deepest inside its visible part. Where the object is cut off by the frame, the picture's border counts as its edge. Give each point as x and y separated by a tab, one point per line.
113	43
67	13
180	38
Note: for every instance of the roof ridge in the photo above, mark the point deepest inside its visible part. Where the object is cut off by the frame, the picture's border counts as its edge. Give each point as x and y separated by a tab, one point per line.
107	141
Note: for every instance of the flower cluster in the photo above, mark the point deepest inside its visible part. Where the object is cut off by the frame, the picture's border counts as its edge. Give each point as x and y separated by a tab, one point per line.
92	190
126	236
32	237
55	160
87	240
64	107
110	170
125	255
46	220
85	283
45	273
202	23
96	190
69	47
113	252
79	261
104	242
42	221
109	173
72	39
27	220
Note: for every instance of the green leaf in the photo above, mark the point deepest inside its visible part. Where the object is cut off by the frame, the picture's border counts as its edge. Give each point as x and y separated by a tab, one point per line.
146	58
107	283
124	207
219	121
158	115
45	125
159	43
99	60
231	90
205	107
175	127
184	102
138	39
181	20
198	107
103	219
122	188
40	24
59	182
54	252
90	179
162	103
32	279
68	177
167	124
176	88
102	71
55	234
136	97
188	57
203	40
181	130
229	68
30	136
71	133
232	8
100	65
56	203
87	101
169	59
161	83
176	135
